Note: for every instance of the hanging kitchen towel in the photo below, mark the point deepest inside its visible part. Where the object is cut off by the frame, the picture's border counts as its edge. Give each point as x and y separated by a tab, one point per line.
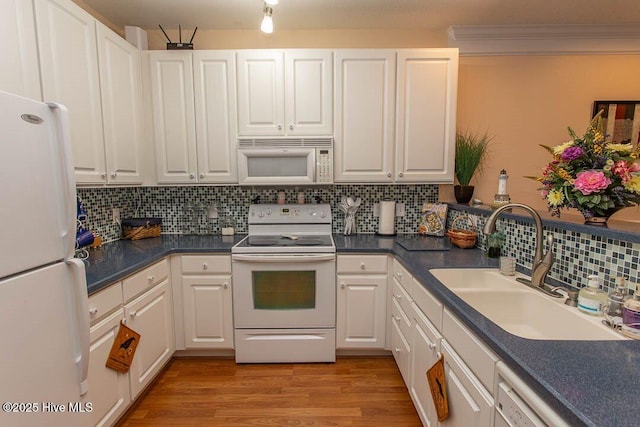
123	349
435	377
433	219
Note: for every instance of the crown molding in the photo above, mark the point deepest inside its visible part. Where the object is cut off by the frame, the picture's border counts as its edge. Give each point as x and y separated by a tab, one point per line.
476	40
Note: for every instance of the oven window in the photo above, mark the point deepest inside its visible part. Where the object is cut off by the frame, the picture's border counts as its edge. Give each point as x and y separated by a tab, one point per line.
284	290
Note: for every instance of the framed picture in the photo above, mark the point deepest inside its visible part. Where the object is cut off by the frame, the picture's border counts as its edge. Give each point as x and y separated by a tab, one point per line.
433	219
620	120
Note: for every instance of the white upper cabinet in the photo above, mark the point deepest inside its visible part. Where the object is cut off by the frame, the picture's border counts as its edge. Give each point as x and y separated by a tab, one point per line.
364	115
96	75
194	123
121	88
427	81
285	92
69	64
173	116
19	71
214	77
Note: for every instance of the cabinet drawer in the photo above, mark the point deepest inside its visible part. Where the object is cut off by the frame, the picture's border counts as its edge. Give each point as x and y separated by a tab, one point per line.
401	352
105	302
361	264
145	279
206	264
428	304
403	276
400	295
402	319
476	355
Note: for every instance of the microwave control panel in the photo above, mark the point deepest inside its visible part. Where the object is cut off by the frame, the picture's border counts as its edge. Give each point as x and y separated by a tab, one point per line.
324	165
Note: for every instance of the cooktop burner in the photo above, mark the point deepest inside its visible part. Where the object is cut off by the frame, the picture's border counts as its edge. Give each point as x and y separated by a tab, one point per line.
287	243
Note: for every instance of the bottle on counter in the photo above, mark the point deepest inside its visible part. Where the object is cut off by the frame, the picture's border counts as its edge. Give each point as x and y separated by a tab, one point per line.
631	316
591	299
615	302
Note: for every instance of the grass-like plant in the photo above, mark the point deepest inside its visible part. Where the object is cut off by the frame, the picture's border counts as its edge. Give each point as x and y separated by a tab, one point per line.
471	152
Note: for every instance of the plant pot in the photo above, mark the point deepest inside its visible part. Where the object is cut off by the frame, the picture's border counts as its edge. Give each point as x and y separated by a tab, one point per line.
463	193
601	221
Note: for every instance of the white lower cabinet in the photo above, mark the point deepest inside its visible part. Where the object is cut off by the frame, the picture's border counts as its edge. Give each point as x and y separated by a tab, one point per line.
108	389
470	404
206	307
150	315
361	302
425	346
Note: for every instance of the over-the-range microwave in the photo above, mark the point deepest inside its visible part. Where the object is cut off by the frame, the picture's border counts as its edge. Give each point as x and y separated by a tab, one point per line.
285	161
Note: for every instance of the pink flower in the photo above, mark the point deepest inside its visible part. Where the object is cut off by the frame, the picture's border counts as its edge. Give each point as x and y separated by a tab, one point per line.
591	182
623	170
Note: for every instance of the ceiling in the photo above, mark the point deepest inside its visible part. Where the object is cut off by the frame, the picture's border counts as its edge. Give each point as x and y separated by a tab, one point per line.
431	15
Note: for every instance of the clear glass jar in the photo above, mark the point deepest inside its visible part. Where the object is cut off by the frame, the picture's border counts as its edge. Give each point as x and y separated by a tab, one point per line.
227	225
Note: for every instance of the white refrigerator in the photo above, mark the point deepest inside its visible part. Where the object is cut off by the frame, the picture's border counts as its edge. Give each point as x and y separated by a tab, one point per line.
44	318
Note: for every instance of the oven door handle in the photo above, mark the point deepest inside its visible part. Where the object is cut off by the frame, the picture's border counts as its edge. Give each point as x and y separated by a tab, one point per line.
284	258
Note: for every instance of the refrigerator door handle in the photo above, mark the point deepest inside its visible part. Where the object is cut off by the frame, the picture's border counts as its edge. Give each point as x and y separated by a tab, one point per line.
68	170
81	322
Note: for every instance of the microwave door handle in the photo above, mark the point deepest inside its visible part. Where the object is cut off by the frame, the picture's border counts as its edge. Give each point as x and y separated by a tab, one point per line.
284	258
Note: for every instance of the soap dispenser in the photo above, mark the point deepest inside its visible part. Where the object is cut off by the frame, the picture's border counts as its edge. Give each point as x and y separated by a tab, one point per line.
591	299
615	302
631	316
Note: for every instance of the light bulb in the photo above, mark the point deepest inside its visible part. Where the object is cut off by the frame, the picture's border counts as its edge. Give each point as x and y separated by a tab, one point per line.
271	2
267	21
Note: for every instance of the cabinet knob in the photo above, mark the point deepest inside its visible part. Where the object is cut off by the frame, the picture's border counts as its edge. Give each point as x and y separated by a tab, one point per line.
133	314
363	266
397	350
389	175
399	274
398	297
201	176
93	311
205	266
225	285
279	127
396	318
103	175
342	285
400	174
151	278
113	174
290	127
432	346
191	176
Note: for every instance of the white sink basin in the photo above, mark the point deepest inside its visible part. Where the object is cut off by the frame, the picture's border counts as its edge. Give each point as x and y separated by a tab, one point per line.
520	310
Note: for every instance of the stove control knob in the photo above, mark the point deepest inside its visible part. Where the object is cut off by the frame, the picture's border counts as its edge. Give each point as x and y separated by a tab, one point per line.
268	211
323	214
261	214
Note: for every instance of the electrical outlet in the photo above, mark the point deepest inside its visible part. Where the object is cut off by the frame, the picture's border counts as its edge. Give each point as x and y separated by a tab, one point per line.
116	215
376	210
213	212
399	209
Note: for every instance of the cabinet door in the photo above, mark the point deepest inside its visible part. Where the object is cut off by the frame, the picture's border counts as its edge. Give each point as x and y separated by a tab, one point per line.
309	92
364	115
19	72
260	92
151	316
426	115
361	311
214	75
207	306
401	351
173	116
121	88
470	405
69	71
425	346
108	389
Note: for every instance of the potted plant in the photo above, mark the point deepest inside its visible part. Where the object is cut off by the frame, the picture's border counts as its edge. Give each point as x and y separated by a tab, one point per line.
471	152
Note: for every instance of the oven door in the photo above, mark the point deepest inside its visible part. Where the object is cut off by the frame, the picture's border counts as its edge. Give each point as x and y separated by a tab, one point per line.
282	166
284	291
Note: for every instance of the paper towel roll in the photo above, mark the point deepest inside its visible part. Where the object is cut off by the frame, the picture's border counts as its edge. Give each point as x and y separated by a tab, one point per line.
387	220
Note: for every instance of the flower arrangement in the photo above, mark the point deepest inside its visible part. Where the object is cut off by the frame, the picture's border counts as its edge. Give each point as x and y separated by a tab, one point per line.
590	174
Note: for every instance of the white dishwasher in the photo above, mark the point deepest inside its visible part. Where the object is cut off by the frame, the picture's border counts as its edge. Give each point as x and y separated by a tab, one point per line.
517	405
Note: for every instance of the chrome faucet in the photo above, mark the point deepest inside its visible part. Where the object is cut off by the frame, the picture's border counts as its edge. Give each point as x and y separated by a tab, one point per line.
541	262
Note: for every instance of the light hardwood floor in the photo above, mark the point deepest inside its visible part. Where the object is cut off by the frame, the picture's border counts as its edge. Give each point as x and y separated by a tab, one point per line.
217	392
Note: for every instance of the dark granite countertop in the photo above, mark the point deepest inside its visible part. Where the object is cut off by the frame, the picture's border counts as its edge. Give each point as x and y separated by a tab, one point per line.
590	383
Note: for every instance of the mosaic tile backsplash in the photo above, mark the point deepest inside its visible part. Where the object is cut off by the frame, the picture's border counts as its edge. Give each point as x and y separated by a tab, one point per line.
169	204
577	255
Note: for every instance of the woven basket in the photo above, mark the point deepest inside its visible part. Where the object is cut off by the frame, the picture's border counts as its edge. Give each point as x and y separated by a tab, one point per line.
141	228
462	238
